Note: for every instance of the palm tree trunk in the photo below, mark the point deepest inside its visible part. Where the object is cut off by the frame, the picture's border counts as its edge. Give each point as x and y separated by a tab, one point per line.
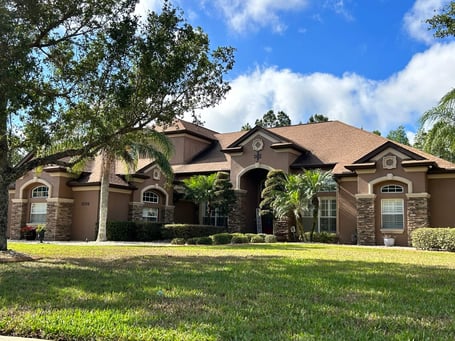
104	196
315	203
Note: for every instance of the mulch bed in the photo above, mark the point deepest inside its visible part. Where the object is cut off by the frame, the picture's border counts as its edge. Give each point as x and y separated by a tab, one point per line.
13	256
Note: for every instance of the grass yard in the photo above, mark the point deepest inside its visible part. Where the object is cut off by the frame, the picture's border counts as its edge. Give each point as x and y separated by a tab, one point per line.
240	292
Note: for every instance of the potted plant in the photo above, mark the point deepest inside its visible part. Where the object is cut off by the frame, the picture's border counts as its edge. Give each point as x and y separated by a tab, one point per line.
389	240
28	232
40	229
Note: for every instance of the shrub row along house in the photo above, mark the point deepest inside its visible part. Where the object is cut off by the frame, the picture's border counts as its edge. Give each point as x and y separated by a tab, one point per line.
382	187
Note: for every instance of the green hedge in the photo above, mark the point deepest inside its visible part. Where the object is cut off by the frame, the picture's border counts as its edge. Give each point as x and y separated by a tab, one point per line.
187	231
133	231
434	239
322	237
239	238
222	238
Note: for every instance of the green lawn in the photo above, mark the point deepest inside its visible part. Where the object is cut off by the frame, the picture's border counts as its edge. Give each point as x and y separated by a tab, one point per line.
241	292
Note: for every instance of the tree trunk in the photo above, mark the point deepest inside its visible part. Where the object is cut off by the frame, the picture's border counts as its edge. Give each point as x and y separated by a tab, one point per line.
315	203
104	197
4	199
5	173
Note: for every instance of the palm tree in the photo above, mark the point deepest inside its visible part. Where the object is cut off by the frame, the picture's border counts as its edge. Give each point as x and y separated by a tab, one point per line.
200	189
129	148
315	181
284	195
294	194
440	139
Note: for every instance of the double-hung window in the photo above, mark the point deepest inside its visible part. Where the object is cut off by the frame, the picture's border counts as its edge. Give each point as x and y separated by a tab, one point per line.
38	212
392	214
328	215
150	214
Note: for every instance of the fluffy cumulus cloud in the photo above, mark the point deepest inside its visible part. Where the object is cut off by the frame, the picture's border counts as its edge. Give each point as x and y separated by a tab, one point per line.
353	99
245	15
143	6
414	20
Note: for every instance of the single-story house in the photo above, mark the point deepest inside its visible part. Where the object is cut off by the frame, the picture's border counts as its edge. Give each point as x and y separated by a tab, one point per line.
382	187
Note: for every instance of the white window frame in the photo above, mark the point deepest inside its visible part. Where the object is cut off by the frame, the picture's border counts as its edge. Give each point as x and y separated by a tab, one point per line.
150	196
393	207
150	214
331	201
38	210
392	189
40	192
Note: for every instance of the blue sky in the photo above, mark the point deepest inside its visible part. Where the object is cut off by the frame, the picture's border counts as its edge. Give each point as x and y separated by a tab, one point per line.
369	63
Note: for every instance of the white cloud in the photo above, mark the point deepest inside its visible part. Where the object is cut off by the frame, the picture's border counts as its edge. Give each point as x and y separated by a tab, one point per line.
414	20
245	15
144	6
370	104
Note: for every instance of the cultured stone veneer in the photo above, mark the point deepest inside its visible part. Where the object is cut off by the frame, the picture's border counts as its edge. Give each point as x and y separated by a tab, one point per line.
135	212
418	212
18	217
59	219
281	230
365	220
237	218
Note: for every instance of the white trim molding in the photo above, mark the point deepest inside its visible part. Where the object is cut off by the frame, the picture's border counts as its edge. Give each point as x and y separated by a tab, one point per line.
246	169
389	177
156	187
37	181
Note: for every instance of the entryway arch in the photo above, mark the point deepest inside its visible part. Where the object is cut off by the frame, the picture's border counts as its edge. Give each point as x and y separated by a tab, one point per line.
251	181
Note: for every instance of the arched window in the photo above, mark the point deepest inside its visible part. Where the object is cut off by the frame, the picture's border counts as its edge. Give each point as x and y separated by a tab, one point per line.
40	192
392	189
151	197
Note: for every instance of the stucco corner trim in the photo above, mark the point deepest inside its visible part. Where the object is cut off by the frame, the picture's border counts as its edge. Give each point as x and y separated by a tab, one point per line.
19	201
365	196
61	200
418	195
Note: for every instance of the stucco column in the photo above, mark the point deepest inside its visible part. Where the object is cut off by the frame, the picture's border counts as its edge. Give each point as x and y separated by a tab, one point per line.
18	217
59	219
418	214
365	219
237	218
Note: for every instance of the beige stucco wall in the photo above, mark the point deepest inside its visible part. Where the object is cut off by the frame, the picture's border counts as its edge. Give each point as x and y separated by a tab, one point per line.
347	210
442	200
187	147
269	159
85	213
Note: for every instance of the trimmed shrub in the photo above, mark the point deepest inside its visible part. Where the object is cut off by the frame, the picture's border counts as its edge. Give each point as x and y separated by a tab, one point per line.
146	231
250	236
257	238
221	238
322	237
121	230
191	241
434	239
204	241
270	238
186	231
239	238
178	241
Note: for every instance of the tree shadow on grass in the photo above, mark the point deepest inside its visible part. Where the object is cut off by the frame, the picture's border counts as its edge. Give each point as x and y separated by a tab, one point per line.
237	297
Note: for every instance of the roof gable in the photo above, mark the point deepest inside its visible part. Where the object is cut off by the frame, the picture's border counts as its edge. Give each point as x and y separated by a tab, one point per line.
277	141
389	147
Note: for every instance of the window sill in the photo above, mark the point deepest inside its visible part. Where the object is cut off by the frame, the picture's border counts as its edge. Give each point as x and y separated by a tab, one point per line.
392	231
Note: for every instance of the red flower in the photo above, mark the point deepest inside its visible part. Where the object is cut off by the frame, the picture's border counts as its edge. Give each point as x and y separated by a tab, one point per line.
28	229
